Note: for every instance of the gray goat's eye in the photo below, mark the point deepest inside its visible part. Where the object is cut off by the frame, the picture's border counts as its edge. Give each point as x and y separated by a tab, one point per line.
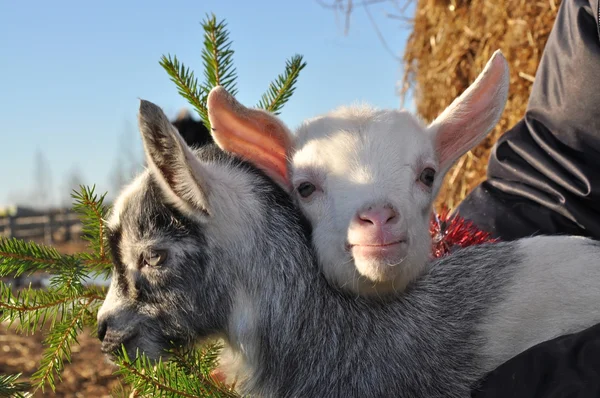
154	258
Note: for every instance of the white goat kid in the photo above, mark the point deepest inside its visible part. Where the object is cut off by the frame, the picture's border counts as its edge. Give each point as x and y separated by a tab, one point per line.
366	179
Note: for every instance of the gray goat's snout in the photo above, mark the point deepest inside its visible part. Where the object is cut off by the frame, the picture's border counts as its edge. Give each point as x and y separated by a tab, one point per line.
111	338
102	328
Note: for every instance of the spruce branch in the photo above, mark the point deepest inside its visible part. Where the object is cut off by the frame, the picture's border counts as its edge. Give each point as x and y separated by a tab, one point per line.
280	90
18	257
33	308
92	212
11	388
166	379
59	340
198	361
218	56
123	391
187	85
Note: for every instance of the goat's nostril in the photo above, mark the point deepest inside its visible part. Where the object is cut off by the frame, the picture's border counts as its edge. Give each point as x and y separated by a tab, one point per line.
378	216
365	219
391	217
102	327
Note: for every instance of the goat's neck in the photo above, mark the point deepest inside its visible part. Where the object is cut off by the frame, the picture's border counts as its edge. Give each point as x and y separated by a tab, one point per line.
292	328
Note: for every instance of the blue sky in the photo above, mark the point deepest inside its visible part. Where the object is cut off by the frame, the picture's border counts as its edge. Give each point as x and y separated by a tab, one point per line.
72	73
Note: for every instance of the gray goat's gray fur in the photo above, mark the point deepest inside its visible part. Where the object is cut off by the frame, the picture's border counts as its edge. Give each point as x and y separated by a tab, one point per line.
237	263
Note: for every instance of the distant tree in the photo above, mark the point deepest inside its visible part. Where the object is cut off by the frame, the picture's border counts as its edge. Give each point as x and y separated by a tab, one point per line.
127	162
394	10
42	195
73	182
348	7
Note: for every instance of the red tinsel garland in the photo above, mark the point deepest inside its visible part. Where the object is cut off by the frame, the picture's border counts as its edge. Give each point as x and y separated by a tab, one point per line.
449	233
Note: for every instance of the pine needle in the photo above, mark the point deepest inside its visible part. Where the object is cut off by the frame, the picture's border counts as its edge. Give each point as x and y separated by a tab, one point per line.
92	213
59	340
166	379
33	308
280	91
18	258
11	388
187	85
218	56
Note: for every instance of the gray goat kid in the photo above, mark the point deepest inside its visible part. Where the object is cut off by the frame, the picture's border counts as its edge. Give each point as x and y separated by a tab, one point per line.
205	244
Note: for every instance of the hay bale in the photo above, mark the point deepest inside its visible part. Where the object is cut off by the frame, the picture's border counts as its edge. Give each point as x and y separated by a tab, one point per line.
450	44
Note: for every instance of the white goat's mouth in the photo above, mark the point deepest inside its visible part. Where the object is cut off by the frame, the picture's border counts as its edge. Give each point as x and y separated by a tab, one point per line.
397	241
386	251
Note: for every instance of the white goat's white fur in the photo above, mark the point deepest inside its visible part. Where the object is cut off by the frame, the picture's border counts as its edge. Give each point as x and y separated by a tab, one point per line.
358	155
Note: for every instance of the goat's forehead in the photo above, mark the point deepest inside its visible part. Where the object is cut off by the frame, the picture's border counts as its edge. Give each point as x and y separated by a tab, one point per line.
131	193
384	138
142	210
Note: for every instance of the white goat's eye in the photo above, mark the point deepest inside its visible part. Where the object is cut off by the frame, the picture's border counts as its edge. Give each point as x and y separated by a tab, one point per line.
154	258
427	176
306	189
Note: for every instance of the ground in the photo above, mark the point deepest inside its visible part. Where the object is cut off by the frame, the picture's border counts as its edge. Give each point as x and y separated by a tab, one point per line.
87	376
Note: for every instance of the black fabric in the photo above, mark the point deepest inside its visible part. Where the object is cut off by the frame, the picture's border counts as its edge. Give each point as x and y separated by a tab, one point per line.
568	366
544	173
544	178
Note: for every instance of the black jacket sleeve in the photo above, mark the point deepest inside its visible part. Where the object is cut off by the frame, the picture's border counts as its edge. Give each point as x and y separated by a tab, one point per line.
544	174
568	366
544	178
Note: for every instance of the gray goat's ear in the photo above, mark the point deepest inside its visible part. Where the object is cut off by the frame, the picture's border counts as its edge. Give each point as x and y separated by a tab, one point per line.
171	161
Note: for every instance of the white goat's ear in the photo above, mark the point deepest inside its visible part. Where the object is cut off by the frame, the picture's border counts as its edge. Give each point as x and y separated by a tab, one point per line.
471	116
177	169
253	134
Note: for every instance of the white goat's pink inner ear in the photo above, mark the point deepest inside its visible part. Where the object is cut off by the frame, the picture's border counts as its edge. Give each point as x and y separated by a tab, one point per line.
473	114
251	134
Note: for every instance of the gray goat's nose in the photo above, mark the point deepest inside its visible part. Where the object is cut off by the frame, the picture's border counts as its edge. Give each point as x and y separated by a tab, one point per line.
102	327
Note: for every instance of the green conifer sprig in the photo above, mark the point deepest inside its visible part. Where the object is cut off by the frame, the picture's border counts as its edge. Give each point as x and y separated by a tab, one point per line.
198	361
92	212
217	57
66	305
168	379
61	336
187	85
24	258
11	388
280	90
31	309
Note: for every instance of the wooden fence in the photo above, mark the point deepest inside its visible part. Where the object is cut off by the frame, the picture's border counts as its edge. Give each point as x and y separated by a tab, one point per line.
48	228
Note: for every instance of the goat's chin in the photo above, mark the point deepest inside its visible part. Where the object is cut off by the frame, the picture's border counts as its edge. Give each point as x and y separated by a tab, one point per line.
374	276
383	276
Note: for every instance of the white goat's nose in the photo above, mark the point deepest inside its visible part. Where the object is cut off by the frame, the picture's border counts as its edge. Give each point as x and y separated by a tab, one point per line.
378	216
